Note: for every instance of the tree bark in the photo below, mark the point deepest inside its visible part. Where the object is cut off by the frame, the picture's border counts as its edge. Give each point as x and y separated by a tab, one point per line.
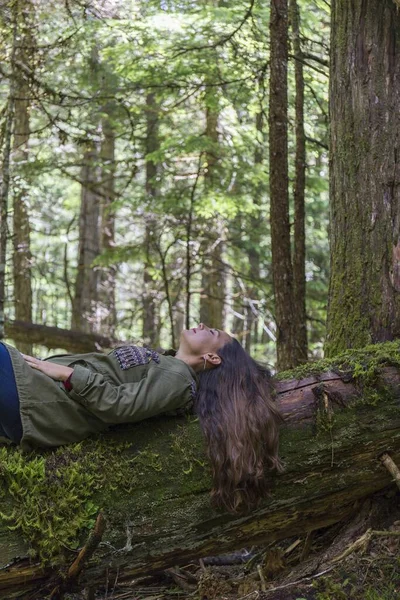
212	299
282	271
330	444
85	306
107	274
364	298
22	258
255	233
299	238
150	325
5	169
4	192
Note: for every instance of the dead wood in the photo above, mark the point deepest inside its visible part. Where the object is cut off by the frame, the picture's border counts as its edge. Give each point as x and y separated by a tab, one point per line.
75	342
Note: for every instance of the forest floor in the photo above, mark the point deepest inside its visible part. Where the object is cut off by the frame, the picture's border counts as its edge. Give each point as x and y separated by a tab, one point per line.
359	560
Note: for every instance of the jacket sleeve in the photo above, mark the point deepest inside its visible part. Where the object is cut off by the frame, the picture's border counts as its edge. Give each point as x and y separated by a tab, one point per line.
158	392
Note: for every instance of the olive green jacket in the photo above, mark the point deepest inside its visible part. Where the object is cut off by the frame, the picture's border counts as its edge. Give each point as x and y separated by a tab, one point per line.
106	390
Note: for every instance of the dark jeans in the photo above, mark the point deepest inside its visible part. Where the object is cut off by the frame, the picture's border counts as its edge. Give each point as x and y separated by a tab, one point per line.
10	418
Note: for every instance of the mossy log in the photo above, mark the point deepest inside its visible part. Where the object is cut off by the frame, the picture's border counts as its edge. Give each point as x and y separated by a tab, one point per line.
152	483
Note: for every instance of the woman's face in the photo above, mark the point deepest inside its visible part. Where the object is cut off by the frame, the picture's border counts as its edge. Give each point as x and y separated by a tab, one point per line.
203	339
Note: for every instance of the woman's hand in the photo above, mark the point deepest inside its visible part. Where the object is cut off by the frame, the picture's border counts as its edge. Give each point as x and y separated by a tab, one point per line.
53	370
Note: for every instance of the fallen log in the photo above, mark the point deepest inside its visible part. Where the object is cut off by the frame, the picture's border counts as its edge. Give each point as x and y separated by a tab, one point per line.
151	481
54	337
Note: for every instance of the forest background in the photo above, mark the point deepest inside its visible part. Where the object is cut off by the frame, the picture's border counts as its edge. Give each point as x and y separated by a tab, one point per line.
137	147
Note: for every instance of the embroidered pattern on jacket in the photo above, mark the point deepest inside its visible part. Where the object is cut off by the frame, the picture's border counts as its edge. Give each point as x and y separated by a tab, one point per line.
193	390
132	356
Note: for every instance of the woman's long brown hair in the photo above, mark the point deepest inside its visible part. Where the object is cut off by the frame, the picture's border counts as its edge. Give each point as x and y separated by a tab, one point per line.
240	422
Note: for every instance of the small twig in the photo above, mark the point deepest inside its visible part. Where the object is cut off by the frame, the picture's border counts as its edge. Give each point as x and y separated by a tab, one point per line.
300	581
385	458
360	544
88	549
363	542
292	547
180	579
262	578
221	41
84	555
307	545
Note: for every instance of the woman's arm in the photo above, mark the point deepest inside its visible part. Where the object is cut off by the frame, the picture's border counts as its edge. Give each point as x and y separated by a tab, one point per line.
160	391
53	370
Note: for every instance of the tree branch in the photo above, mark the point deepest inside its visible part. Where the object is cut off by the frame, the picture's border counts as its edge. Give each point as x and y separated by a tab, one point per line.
223	40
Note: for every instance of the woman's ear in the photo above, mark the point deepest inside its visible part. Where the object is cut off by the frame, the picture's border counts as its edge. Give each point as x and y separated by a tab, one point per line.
213	359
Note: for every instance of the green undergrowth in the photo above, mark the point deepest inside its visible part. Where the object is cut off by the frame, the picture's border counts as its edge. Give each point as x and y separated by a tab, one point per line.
364	577
363	366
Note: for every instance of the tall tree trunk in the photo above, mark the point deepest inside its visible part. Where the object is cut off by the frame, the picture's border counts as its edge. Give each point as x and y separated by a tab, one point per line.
5	168
150	326
22	257
212	301
255	234
364	298
85	306
107	319
279	196
299	246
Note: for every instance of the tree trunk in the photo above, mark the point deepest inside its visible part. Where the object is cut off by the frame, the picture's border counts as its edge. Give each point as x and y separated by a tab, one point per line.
161	515
107	317
212	300
5	170
150	328
279	180
255	229
85	306
22	258
364	298
299	238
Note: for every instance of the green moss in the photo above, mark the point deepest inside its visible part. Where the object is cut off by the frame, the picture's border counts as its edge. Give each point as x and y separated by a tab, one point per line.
182	445
363	365
51	498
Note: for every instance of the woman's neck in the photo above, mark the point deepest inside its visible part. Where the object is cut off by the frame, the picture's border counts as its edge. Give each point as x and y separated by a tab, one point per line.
189	359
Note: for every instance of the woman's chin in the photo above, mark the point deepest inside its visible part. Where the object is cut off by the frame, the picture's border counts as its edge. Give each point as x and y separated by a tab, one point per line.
187	332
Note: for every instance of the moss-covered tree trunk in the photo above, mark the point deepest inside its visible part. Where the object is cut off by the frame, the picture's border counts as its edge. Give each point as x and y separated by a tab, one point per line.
364	298
152	482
